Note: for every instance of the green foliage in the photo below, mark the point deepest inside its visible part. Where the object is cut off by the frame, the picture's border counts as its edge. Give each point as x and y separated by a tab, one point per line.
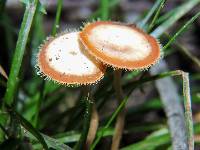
180	11
30	104
29	128
41	7
13	79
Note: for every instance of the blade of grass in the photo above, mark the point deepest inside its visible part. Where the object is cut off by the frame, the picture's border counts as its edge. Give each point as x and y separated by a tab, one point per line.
87	116
149	15
156	16
104	9
19	52
166	16
72	136
181	30
111	4
56	144
134	84
29	128
114	115
188	110
3	119
152	141
57	20
181	10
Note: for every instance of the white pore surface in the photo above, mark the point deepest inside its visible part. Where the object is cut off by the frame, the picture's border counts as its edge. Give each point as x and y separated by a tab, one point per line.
136	45
63	54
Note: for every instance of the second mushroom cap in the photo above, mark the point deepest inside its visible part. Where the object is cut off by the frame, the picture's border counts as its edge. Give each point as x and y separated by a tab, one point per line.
120	45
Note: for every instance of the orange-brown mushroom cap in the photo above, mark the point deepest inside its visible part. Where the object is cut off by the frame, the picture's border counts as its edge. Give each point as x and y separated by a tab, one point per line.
65	60
120	45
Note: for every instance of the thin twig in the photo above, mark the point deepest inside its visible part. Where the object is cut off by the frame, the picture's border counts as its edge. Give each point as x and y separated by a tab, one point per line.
119	126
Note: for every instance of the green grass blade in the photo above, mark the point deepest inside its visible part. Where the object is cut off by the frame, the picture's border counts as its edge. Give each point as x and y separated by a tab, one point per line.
149	15
156	15
29	128
104	9
57	20
114	115
86	124
56	144
19	52
181	10
188	110
165	16
181	30
152	141
98	13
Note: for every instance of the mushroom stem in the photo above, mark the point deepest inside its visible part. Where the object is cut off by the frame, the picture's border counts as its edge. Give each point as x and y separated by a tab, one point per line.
94	122
119	126
87	116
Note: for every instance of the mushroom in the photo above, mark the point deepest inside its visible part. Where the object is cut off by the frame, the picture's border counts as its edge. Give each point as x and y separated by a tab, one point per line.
65	60
120	45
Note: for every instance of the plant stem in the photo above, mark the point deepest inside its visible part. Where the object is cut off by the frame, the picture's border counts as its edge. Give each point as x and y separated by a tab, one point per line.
19	52
188	110
86	123
119	126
